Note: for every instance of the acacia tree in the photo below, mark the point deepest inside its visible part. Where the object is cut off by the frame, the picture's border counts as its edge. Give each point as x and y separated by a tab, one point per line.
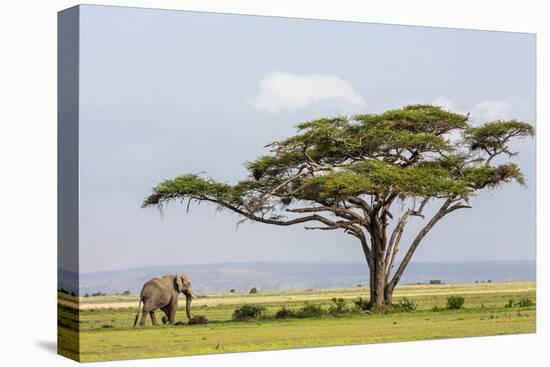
366	175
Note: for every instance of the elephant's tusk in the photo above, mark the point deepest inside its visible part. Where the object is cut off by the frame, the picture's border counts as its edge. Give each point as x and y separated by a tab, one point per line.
193	296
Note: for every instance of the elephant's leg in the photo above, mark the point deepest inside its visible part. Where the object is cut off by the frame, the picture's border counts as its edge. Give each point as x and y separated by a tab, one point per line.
143	318
172	313
165	319
153	318
147	308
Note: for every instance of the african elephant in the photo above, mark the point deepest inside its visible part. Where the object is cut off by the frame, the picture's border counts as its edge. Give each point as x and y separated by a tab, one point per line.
163	293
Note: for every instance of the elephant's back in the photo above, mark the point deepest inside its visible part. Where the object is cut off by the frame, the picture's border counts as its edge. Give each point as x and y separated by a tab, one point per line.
156	293
151	286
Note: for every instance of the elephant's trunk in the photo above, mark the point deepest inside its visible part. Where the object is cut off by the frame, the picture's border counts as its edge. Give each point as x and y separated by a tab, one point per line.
188	306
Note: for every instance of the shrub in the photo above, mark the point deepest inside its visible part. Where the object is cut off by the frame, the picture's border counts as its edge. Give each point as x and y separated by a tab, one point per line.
87	295
253	291
436	309
510	303
126	293
198	319
362	304
285	313
231	291
435	281
310	311
405	305
455	302
338	307
524	302
248	312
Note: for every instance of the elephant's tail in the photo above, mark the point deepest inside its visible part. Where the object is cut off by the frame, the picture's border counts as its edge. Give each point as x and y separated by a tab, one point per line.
137	314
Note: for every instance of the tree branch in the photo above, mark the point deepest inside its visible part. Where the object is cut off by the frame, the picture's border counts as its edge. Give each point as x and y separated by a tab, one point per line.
403	265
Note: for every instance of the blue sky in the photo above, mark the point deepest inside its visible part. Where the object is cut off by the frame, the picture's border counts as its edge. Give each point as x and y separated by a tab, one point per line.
170	92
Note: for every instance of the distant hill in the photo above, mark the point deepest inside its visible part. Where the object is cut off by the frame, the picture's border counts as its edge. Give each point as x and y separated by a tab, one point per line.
293	275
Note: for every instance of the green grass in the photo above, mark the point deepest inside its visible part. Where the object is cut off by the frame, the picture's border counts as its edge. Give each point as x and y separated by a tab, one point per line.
107	333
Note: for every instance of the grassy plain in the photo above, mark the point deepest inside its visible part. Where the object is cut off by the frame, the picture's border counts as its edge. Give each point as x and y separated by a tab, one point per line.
106	332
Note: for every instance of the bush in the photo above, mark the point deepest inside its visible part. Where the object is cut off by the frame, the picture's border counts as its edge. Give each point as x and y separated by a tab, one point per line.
524	302
338	307
231	291
198	319
87	295
510	303
405	305
311	311
253	291
455	302
248	312
285	313
307	311
126	293
435	281
362	304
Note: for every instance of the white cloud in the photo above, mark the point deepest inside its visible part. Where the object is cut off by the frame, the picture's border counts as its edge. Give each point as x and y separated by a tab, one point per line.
484	111
490	110
446	103
288	91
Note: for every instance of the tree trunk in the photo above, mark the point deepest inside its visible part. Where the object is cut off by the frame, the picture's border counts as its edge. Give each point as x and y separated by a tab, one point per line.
388	294
378	282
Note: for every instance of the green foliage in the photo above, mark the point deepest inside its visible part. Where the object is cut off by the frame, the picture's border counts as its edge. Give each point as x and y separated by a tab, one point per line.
493	137
362	304
404	151
253	290
248	312
308	311
491	176
338	307
522	302
285	313
455	302
311	310
405	305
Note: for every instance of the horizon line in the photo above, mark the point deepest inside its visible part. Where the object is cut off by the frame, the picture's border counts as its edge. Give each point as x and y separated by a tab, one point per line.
293	261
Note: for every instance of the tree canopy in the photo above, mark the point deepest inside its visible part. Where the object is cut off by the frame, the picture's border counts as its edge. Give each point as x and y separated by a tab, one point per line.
347	172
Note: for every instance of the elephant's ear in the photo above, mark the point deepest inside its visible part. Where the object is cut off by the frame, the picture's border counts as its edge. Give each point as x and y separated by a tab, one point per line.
179	283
